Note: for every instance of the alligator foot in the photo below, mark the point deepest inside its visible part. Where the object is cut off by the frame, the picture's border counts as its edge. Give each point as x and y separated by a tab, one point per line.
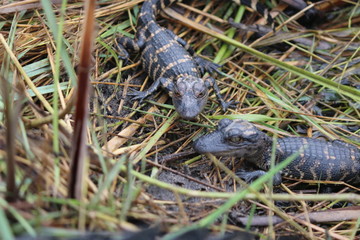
230	104
141	95
224	105
123	54
138	95
206	65
250	176
126	44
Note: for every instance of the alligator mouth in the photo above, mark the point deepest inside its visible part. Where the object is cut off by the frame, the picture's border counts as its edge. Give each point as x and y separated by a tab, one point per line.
228	153
215	147
189	116
218	148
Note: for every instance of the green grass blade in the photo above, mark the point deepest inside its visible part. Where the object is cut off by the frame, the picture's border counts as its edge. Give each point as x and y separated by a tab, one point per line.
156	137
52	23
257	185
342	89
5	229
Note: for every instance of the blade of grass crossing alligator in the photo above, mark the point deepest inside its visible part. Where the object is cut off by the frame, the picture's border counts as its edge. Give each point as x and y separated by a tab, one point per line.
163	116
251	216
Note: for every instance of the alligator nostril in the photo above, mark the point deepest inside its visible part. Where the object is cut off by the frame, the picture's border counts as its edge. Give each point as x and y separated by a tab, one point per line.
188	113
197	145
189	117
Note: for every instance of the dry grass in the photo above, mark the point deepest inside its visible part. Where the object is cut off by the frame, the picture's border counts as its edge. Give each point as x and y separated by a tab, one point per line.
287	83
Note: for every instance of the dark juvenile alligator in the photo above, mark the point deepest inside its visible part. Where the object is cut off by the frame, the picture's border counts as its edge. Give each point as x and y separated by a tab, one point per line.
317	160
172	63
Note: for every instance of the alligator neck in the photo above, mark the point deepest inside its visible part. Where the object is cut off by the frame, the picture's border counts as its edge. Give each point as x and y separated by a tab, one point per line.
262	157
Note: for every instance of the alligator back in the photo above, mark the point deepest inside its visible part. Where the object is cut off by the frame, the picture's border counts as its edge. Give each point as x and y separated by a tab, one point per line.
163	55
320	160
166	58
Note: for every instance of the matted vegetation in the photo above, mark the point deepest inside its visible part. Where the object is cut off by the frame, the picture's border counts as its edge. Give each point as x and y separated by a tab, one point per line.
142	171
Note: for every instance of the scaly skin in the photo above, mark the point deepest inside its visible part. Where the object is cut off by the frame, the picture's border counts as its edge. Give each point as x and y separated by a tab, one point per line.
171	62
318	159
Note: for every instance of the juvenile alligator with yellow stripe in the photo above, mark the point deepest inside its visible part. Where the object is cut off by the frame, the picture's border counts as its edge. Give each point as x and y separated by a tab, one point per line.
317	160
172	63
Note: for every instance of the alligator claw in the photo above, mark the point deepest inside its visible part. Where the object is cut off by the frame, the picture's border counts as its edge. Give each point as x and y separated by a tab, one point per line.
137	95
124	58
206	65
229	104
237	25
123	53
253	175
249	176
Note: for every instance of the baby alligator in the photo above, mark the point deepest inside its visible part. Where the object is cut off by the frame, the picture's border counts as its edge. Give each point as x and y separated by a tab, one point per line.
172	63
317	160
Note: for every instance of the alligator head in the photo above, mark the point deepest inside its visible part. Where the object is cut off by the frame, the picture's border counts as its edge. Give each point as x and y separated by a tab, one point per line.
189	96
233	138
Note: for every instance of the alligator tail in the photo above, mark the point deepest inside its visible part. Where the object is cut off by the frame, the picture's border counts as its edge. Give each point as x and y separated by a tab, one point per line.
258	7
151	8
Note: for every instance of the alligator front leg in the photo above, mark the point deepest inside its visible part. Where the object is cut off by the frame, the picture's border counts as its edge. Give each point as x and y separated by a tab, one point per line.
141	95
126	44
224	105
250	176
206	65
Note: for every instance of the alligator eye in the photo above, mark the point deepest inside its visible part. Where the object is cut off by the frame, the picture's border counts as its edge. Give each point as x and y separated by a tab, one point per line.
201	94
177	93
199	89
236	139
